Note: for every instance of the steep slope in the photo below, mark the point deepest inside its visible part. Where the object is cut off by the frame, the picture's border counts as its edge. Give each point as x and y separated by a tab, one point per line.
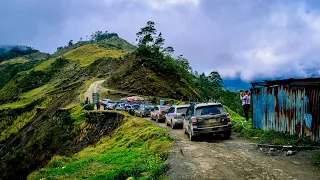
141	75
31	106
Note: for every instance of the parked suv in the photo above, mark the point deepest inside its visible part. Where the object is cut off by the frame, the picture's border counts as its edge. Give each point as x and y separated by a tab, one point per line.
175	115
208	118
144	110
159	113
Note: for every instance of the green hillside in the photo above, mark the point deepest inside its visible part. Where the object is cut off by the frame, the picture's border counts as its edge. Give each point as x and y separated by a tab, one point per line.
11	67
41	116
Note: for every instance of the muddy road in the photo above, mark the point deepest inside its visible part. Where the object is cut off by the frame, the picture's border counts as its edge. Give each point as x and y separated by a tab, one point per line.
236	158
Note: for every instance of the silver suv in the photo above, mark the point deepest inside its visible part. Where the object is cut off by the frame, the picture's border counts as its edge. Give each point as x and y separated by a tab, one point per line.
175	115
207	118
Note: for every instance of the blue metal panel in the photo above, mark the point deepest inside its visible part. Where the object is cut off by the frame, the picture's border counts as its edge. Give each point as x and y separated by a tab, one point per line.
293	109
258	109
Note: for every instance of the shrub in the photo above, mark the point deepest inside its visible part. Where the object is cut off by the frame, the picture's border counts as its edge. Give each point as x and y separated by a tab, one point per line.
317	157
88	107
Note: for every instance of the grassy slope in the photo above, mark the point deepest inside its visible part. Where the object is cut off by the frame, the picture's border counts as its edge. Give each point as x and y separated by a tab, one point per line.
132	77
12	67
137	149
89	53
79	59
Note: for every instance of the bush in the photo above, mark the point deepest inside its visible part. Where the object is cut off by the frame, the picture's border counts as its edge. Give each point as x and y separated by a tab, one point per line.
88	107
317	157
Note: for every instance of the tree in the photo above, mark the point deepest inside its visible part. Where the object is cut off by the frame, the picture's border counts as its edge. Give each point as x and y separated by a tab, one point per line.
70	43
216	79
168	50
59	48
146	35
99	35
182	63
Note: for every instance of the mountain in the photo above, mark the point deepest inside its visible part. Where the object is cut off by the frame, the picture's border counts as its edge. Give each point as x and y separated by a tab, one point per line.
42	118
35	89
9	52
236	84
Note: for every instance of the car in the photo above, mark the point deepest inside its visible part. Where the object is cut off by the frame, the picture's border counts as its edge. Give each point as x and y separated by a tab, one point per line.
133	108
207	118
144	110
110	106
120	106
174	116
158	113
105	101
127	107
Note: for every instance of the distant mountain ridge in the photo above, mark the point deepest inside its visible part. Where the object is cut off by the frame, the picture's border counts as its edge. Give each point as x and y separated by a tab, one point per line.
236	84
9	52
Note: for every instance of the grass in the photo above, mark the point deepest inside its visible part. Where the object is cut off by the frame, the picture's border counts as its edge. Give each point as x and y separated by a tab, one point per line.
137	149
270	136
14	105
10	127
38	92
44	65
18	60
316	157
89	53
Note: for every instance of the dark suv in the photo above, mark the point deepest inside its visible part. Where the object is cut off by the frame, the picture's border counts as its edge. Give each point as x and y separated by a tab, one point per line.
207	118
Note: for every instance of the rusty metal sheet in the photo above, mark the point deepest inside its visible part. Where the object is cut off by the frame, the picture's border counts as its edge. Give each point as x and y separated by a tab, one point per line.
288	108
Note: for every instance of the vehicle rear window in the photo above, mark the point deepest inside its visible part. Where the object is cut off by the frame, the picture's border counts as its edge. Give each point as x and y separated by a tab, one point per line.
164	108
182	110
210	110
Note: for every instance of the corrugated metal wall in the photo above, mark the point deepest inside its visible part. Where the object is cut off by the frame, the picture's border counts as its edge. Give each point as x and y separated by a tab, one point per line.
293	109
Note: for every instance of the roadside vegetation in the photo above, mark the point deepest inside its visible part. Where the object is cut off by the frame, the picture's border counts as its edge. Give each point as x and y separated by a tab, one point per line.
137	149
317	158
268	137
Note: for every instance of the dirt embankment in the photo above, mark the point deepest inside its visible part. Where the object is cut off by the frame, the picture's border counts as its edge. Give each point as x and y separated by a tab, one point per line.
214	158
51	135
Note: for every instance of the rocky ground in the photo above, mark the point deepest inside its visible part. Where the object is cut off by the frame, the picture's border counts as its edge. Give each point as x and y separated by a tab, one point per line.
236	158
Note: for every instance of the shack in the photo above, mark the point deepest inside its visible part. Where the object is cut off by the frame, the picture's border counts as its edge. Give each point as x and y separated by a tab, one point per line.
290	105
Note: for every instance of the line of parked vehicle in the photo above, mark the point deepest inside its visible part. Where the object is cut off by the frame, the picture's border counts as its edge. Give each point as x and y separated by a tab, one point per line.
133	108
194	119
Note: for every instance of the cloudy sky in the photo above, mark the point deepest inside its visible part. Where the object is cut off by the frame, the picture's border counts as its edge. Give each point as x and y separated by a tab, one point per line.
247	38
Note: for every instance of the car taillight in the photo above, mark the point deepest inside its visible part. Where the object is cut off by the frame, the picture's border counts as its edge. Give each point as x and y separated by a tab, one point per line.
228	117
175	115
194	120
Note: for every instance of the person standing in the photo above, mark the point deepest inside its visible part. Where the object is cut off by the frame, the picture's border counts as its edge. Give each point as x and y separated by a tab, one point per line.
245	98
98	106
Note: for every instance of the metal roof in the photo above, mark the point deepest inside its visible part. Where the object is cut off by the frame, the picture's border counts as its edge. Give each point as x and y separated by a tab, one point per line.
291	81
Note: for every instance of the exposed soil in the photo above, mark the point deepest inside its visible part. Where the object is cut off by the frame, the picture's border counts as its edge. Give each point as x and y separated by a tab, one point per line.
236	158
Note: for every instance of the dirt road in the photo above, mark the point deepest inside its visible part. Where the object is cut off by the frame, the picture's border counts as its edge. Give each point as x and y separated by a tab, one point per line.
95	87
214	158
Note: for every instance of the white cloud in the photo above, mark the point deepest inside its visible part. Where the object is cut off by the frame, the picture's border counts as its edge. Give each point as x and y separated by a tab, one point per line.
250	38
163	4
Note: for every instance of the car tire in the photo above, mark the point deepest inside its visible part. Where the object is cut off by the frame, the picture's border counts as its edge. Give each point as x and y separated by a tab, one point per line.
166	122
185	131
227	134
191	137
172	125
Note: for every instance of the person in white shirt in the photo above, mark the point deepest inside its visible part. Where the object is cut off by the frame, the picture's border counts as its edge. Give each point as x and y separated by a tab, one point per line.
245	98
